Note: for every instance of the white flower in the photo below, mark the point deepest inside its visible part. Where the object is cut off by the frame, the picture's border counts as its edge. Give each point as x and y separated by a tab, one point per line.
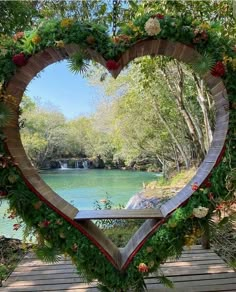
200	212
152	26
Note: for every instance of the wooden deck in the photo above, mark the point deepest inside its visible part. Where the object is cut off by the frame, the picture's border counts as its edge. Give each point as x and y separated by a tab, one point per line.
196	270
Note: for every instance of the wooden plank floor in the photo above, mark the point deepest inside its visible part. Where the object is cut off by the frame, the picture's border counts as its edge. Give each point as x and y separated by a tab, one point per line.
196	270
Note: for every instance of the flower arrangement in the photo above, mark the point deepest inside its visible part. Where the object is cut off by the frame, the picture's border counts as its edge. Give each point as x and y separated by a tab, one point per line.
54	234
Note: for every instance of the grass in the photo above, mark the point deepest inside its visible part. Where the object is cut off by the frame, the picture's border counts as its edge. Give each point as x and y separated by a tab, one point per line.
163	188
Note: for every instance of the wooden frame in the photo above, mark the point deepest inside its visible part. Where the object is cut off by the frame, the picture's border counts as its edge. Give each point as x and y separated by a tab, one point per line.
119	257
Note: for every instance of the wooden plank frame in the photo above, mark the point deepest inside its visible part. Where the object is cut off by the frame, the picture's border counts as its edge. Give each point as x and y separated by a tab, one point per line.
120	258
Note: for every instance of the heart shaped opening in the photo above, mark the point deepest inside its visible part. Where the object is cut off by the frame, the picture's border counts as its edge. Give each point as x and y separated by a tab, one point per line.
80	219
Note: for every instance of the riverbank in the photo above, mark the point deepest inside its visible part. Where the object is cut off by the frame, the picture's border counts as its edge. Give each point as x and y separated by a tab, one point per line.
167	188
11	252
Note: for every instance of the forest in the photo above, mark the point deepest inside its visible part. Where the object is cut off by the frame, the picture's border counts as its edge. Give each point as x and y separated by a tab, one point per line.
157	115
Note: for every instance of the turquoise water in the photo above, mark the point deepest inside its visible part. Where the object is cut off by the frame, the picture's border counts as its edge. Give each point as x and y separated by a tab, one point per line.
83	187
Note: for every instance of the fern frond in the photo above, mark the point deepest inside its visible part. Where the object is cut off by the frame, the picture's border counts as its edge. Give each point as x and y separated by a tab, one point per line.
6	114
204	64
47	254
165	281
78	63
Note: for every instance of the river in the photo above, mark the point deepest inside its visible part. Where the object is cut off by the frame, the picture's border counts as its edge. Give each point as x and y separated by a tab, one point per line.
83	187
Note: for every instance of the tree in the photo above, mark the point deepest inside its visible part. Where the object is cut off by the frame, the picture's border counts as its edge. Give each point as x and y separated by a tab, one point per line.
43	133
16	16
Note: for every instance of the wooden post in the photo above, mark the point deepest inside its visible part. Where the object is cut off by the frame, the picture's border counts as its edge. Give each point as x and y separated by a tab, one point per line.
206	237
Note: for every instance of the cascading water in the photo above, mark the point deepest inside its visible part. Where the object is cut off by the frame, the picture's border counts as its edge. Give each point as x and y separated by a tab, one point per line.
63	164
85	164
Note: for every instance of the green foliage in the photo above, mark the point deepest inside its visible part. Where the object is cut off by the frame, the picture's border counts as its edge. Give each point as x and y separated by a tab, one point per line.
6	114
48	254
16	16
203	65
77	63
56	235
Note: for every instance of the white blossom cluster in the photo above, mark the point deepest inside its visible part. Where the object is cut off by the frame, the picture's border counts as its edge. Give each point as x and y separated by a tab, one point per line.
152	26
200	212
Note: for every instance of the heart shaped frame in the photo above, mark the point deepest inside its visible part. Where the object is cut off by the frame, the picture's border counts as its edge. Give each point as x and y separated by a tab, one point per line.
120	258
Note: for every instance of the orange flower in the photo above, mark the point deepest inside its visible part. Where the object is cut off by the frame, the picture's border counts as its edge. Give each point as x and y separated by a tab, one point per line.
143	268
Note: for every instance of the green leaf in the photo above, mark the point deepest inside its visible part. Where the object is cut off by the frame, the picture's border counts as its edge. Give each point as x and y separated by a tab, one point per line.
204	64
6	114
48	254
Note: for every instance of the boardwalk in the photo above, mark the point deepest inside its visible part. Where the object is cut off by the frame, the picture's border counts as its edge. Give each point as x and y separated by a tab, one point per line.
196	270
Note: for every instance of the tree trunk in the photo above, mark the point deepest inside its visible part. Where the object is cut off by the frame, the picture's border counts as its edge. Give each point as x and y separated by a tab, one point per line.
179	146
203	104
176	89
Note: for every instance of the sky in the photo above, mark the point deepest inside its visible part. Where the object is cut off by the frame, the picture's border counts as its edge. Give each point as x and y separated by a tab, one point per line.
70	93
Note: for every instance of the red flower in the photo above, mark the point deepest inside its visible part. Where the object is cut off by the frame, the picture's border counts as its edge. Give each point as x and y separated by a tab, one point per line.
195	187
143	268
44	224
16	226
158	15
19	59
112	65
218	70
207	184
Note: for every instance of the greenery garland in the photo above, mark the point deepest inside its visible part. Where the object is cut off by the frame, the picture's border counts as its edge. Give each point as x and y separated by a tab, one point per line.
55	235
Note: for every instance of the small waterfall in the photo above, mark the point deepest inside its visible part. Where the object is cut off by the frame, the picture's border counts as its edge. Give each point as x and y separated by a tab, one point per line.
85	164
63	164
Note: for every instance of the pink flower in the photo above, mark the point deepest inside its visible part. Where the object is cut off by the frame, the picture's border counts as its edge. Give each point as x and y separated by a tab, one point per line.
195	187
112	65
19	60
143	268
